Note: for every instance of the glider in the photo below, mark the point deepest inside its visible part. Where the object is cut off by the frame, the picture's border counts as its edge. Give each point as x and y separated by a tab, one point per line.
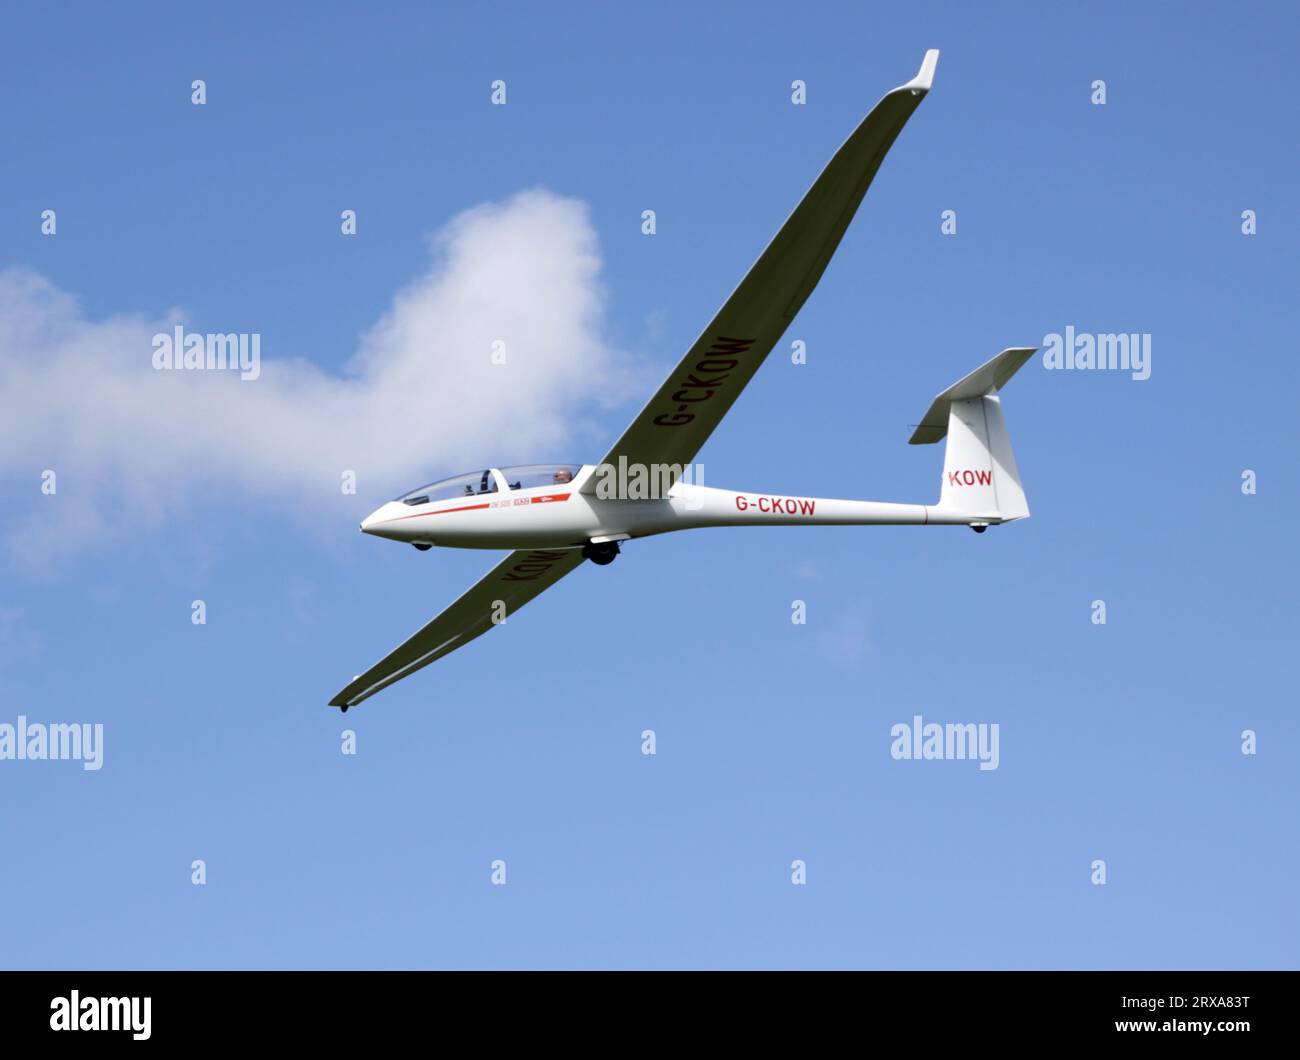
554	517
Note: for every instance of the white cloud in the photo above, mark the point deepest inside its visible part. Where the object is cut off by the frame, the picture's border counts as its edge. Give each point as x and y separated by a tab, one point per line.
420	396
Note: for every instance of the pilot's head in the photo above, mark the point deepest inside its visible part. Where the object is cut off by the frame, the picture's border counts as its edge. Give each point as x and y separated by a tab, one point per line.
564	475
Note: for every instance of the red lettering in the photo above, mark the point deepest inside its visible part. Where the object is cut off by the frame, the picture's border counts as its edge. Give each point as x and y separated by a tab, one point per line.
778	505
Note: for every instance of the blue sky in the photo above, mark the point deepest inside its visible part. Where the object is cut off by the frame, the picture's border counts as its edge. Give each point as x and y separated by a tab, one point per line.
1118	742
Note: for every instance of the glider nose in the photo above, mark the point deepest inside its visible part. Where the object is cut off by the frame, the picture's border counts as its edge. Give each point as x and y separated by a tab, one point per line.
373	520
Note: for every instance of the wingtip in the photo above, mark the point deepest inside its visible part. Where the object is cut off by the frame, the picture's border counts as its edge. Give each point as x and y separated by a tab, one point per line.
925	76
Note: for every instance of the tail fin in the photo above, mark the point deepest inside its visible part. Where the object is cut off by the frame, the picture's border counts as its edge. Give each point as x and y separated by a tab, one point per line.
981	483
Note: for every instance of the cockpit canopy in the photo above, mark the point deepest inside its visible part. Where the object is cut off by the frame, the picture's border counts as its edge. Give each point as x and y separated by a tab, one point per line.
530	476
522	477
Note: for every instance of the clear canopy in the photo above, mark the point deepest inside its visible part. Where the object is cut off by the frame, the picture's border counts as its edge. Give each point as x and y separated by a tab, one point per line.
528	476
470	485
523	477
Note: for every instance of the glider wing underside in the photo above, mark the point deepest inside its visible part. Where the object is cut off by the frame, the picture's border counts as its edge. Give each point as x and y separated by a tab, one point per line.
678	420
499	593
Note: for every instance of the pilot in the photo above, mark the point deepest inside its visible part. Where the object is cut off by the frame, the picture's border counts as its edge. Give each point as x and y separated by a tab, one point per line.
563	475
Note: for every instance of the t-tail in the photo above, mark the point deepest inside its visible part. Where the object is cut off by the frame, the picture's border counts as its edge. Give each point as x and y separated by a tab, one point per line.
981	484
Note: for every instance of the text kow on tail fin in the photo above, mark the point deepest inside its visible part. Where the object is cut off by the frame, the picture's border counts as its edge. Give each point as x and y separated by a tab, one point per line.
981	483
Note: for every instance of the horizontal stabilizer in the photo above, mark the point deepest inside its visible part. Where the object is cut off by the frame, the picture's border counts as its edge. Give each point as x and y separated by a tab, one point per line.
988	378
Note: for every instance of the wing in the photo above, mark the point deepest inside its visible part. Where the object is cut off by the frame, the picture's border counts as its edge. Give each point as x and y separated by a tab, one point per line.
514	581
691	403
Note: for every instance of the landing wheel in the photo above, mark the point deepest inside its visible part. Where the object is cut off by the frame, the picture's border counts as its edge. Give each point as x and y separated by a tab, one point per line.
979	528
601	553
421	546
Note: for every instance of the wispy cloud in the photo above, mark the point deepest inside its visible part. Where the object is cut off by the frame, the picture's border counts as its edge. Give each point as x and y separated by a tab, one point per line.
422	393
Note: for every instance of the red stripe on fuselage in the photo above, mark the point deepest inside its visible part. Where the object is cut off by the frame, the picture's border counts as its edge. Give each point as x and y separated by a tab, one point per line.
444	511
548	498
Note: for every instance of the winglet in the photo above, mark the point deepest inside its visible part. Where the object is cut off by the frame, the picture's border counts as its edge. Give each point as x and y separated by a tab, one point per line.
925	77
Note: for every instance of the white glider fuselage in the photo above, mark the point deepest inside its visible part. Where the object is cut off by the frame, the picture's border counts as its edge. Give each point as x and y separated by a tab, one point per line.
564	516
555	518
